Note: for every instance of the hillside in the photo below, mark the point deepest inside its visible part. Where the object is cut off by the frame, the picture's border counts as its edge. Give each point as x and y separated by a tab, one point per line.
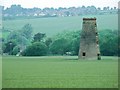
54	25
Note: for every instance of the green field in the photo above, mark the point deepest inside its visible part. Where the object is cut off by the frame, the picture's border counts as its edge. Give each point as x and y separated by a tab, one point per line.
59	72
52	26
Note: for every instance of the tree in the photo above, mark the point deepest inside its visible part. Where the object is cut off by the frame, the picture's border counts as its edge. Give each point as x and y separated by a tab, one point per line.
38	37
109	42
27	31
16	50
18	38
48	42
67	13
104	8
72	41
115	8
59	46
36	49
99	8
75	46
14	10
9	47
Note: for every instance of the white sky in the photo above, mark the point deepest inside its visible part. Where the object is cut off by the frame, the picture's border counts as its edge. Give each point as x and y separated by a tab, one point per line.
59	3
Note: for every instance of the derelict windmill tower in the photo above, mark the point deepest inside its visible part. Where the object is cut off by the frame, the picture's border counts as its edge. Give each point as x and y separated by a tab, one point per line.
89	44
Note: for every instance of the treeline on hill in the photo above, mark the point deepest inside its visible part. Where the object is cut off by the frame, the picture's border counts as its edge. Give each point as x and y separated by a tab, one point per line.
23	42
18	11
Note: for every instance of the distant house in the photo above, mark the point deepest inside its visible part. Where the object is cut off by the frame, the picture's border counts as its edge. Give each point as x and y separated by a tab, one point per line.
42	14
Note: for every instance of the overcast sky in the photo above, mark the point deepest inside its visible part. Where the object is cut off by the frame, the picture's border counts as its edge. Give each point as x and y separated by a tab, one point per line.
59	3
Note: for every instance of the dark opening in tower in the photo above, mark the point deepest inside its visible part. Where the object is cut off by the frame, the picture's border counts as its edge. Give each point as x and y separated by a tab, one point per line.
98	55
84	54
96	34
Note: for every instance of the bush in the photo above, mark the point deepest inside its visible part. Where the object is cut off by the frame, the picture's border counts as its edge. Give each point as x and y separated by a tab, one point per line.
60	46
36	49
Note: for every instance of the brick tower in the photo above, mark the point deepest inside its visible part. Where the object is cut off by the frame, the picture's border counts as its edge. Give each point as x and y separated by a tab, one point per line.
89	44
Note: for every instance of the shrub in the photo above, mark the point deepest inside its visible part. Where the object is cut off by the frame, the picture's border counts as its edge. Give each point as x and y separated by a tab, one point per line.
36	49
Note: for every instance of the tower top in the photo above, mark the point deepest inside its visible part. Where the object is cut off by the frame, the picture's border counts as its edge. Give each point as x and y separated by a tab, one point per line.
89	19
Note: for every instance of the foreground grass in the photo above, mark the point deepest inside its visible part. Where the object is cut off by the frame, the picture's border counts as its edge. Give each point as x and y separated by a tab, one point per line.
59	72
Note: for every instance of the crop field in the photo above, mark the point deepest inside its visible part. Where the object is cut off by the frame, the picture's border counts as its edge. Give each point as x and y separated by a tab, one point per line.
52	26
59	72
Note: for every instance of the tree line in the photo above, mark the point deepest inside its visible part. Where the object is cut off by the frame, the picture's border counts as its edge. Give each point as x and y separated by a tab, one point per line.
17	10
23	42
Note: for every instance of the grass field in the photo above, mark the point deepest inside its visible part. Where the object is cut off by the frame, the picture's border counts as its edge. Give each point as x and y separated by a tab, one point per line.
52	26
59	72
